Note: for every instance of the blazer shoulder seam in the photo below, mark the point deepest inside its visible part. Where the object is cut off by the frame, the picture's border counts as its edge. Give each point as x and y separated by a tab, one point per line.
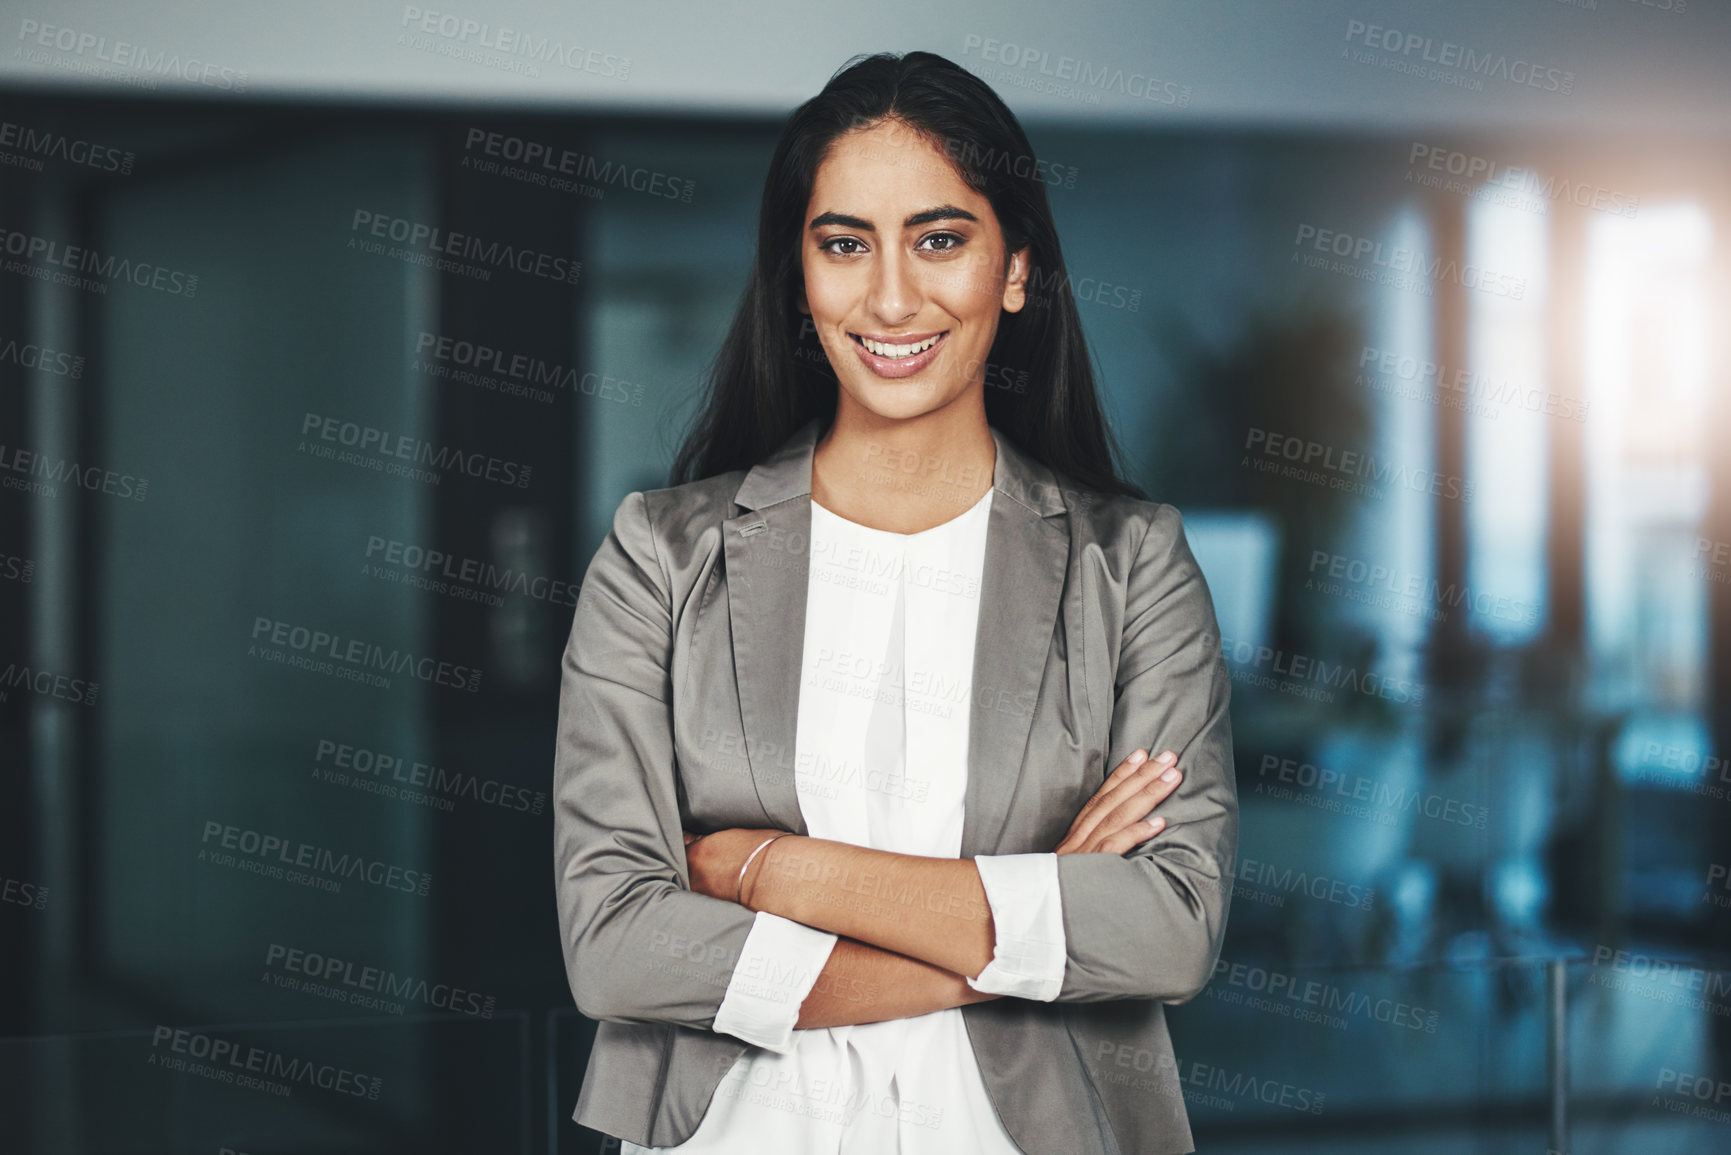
1142	509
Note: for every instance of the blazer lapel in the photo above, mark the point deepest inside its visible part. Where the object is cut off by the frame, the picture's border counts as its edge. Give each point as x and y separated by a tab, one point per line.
767	551
768	558
1027	554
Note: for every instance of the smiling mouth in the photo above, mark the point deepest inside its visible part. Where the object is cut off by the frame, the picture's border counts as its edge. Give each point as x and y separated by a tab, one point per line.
897	352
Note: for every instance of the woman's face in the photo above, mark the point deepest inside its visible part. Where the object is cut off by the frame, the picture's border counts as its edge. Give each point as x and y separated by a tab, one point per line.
904	272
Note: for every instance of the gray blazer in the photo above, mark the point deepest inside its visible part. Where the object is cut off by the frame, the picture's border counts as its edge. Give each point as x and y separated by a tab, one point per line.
677	709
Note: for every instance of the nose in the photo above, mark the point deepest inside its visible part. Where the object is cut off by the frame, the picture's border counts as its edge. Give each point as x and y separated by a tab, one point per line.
894	296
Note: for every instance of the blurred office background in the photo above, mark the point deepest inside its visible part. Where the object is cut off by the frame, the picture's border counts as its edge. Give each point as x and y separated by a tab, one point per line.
1417	312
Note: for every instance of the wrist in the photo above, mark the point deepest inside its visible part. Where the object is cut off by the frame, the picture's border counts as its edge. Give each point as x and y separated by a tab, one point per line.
751	875
963	993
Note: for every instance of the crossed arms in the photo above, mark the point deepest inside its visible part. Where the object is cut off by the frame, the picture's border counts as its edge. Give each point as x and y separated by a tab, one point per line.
653	935
917	927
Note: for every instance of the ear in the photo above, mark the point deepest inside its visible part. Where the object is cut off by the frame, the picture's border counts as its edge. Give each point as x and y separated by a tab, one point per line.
1016	281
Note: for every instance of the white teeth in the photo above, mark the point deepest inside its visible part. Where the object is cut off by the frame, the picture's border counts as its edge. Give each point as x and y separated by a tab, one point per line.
883	350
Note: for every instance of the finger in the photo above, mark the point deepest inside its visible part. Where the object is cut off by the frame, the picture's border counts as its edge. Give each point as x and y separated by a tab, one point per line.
1158	787
1114	795
1133	835
1123	780
1096	819
689	837
1161	779
1136	806
1135	758
1133	808
1123	770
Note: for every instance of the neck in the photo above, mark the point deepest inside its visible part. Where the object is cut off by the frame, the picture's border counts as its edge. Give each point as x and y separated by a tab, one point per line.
904	475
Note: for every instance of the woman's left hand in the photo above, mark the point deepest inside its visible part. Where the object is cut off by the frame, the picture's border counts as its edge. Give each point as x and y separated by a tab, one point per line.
715	859
1116	818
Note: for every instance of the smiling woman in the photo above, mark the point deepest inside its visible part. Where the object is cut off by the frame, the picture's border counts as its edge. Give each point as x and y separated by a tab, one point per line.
854	831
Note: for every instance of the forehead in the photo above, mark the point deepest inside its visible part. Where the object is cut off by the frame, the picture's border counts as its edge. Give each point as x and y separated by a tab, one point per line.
894	167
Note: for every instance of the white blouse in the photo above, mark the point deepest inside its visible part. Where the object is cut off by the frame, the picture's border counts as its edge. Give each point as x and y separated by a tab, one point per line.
881	760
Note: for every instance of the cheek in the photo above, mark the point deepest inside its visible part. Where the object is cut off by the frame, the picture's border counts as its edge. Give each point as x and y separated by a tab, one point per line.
971	289
826	294
824	274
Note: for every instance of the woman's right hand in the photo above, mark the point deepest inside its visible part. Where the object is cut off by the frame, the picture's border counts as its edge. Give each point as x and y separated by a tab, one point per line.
1115	819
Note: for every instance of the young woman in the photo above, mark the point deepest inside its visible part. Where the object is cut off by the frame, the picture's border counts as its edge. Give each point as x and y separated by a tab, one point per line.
854	838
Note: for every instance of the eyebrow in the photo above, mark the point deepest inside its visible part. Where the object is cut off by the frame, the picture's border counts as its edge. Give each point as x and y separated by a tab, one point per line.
941	213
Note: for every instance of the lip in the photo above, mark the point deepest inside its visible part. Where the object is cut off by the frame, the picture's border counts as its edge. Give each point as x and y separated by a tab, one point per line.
898	338
899	367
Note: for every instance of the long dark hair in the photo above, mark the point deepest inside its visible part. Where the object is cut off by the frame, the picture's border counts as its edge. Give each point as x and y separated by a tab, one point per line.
771	375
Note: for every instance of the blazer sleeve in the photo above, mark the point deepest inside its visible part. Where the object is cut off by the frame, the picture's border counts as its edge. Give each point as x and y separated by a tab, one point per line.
640	945
1148	924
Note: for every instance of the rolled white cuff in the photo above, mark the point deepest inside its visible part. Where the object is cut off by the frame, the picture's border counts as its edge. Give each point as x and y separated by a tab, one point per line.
778	964
1028	924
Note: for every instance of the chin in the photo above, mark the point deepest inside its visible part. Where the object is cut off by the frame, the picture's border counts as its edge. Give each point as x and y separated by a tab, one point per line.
902	399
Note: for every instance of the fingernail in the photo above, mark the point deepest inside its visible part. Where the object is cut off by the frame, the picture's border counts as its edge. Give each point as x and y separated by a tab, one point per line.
1137	757
1170	775
1156	824
1167	756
